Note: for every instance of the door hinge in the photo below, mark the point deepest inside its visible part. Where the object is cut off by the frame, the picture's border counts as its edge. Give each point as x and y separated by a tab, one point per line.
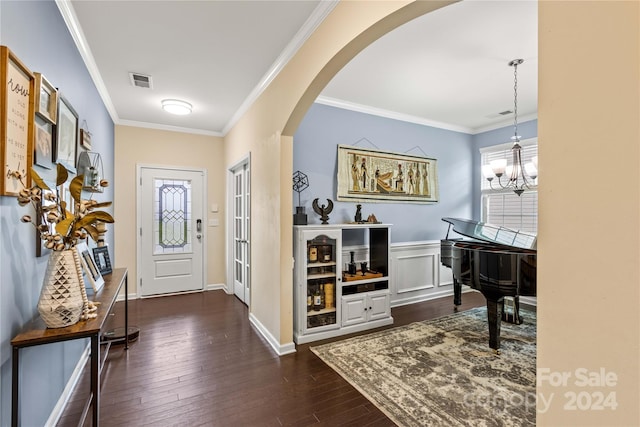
141	282
140	180
141	231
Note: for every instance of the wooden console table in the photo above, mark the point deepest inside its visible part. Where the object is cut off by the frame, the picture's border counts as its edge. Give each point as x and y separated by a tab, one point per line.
36	333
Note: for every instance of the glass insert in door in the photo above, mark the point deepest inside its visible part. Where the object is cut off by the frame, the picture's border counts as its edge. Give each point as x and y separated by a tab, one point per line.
321	282
172	216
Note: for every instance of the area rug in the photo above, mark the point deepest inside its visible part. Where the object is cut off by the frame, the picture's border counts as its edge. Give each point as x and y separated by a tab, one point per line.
442	372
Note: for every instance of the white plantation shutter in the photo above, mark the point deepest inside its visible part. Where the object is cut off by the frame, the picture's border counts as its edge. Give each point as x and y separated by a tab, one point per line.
504	207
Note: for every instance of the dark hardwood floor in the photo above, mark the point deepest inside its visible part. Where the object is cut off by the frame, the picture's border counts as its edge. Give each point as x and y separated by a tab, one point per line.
199	362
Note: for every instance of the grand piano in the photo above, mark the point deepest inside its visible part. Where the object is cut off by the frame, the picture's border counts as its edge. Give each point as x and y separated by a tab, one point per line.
497	261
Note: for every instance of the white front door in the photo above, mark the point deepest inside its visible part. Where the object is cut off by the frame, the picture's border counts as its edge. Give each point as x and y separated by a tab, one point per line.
171	246
241	236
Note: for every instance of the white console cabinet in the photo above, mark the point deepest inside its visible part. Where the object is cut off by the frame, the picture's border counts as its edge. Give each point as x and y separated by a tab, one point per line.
330	298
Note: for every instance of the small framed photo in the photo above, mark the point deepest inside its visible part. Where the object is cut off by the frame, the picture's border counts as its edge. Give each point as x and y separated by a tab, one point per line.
43	153
101	257
85	139
67	135
46	102
90	267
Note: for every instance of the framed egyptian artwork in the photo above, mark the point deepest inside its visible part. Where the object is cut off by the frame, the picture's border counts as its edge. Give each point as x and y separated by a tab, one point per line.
366	175
16	122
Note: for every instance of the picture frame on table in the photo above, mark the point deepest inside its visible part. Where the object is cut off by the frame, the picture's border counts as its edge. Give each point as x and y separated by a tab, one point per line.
43	149
46	103
67	129
90	268
16	122
101	257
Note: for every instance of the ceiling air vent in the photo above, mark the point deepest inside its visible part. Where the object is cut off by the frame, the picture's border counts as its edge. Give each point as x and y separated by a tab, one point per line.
505	112
141	80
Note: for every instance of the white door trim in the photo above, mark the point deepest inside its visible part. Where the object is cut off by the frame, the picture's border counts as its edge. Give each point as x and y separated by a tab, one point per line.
139	167
229	285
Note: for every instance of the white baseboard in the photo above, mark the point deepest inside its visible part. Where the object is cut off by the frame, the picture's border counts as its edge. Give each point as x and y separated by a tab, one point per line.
280	349
215	287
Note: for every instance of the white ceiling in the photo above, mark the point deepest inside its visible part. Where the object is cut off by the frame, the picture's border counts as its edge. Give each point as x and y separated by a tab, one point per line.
447	68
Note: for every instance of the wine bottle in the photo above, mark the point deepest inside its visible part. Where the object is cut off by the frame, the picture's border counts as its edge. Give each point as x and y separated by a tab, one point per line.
309	299
317	299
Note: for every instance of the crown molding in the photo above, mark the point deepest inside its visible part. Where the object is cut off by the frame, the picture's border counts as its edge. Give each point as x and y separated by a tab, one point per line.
346	105
505	123
156	126
71	20
319	14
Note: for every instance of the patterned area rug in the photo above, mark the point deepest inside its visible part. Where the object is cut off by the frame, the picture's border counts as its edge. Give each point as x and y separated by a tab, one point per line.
442	372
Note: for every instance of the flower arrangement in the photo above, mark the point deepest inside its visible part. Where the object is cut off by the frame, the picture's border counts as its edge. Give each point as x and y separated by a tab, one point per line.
58	226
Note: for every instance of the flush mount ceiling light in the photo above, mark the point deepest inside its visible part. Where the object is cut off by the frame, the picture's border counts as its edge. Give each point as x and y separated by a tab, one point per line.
175	106
520	178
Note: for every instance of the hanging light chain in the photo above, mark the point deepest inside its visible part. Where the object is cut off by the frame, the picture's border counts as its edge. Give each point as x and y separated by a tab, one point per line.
515	64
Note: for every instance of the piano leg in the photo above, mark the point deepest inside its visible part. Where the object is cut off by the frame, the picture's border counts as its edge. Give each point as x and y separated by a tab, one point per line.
494	315
457	294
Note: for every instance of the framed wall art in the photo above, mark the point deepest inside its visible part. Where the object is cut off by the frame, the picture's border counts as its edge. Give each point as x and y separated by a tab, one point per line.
43	152
66	135
16	122
366	175
46	103
85	139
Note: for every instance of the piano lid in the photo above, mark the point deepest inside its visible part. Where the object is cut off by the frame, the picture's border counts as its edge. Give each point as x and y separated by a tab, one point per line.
492	233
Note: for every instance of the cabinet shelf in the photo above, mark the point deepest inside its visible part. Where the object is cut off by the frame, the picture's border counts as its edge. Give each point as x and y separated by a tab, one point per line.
358	276
321	264
319	312
321	276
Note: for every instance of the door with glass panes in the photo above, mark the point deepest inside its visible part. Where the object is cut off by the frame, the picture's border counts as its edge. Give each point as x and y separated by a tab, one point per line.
321	280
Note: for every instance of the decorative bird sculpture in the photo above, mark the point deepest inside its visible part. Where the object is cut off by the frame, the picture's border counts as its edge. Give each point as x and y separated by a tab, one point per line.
323	210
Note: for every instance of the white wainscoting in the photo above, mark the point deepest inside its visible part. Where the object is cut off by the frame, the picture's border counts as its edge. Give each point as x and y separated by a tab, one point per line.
417	274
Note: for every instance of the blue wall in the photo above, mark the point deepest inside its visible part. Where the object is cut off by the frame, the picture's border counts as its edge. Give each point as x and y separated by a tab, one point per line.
458	154
38	36
315	153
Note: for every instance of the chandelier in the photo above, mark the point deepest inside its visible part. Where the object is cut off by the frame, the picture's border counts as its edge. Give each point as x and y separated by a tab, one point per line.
519	178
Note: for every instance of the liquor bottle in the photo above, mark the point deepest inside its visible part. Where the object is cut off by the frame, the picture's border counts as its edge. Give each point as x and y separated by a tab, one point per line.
317	299
309	299
326	253
352	264
323	301
313	253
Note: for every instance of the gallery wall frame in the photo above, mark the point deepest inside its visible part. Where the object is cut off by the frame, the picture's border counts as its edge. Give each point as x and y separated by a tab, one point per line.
43	150
46	102
16	122
367	175
67	130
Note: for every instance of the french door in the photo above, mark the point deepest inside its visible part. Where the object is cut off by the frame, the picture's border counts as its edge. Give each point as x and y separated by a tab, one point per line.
241	231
